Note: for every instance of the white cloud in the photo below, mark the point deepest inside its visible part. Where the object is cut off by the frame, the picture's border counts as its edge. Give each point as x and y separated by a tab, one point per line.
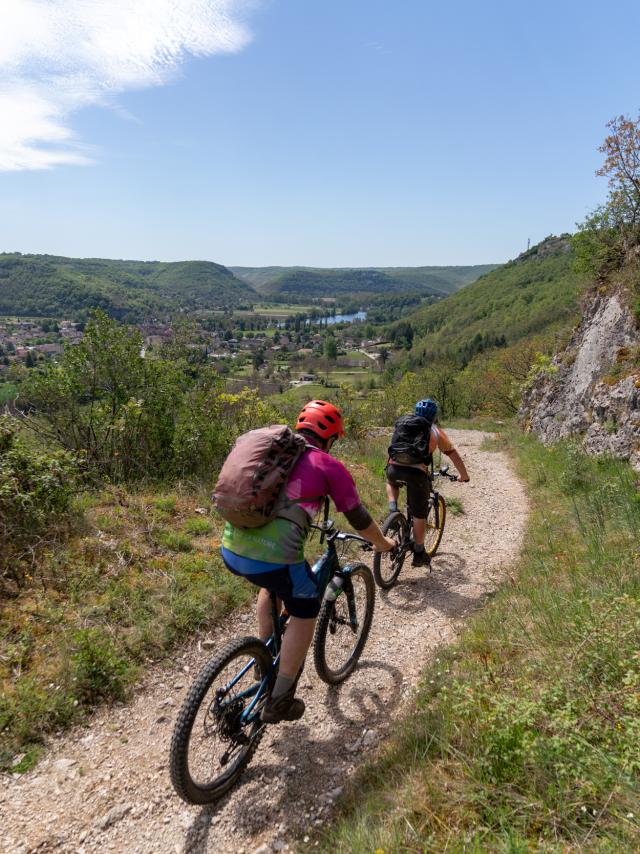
57	56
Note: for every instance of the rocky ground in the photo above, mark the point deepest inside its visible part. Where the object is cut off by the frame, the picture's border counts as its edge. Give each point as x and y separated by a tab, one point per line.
105	786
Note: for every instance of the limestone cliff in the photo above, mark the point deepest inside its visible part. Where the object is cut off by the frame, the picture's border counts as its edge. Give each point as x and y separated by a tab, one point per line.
593	388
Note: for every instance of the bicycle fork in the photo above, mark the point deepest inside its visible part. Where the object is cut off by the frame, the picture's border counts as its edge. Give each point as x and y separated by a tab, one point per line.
345	587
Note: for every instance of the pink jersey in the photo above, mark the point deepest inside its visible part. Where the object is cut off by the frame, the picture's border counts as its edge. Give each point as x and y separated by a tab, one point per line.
317	474
281	541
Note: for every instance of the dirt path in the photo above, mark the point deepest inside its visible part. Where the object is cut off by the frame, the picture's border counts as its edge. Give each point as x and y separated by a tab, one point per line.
105	787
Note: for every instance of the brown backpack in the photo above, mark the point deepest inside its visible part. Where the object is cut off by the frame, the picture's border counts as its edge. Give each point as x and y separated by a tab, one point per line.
250	489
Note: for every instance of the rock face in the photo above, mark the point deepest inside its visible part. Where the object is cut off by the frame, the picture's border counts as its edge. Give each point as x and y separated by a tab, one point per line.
594	388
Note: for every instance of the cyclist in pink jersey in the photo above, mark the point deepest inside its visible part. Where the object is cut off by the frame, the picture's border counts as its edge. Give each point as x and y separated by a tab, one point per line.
272	556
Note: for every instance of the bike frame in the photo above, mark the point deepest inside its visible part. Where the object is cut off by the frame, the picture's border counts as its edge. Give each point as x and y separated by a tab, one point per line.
328	564
434	496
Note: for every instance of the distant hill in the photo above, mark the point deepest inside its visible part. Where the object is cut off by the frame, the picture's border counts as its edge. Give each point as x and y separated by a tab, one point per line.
51	286
535	293
320	281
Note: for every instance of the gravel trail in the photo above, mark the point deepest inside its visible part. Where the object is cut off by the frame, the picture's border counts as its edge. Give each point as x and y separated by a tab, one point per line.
105	787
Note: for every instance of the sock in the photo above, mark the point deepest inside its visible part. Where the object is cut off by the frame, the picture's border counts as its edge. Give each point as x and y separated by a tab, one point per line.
393	506
283	684
418	548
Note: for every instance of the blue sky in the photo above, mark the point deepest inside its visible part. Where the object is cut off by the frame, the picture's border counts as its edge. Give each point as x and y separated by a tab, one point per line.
318	132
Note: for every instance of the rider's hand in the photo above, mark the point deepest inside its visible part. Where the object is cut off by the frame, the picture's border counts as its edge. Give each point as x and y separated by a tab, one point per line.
388	545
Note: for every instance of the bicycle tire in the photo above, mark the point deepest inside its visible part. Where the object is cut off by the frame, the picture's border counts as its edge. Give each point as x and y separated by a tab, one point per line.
432	540
396	527
190	790
327	618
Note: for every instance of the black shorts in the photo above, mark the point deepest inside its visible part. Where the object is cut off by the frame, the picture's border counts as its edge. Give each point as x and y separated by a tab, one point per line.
418	487
295	584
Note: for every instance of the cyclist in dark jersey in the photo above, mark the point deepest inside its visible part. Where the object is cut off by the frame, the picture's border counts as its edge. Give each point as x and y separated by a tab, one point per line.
272	557
416	476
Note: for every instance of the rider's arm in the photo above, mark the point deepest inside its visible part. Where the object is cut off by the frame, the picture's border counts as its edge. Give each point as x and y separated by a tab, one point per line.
360	519
446	446
342	489
375	536
456	459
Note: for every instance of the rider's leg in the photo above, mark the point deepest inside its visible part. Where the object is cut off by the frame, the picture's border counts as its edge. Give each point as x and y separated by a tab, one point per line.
295	645
265	620
393	493
419	531
282	703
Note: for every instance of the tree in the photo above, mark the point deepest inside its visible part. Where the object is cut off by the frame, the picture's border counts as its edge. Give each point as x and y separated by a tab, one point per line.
611	234
330	348
622	167
384	357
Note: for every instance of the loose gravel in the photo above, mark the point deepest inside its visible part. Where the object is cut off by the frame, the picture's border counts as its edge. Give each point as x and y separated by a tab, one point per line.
105	786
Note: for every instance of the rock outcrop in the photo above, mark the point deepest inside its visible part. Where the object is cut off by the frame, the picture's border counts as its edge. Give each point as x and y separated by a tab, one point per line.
593	388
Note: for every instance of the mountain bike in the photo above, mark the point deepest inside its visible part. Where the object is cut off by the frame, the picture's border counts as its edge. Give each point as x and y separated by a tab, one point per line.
388	565
218	728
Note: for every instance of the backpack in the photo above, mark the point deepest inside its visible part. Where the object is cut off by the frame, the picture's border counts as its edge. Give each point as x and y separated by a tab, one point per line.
250	488
410	440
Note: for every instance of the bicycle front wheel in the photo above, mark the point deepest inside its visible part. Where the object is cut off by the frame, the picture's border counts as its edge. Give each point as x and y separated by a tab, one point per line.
216	732
435	526
387	565
343	626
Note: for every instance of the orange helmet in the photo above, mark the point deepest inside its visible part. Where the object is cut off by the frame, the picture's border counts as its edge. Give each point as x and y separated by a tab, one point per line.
322	418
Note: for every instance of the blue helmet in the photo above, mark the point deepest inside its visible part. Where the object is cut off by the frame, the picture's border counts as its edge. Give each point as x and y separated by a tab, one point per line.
426	408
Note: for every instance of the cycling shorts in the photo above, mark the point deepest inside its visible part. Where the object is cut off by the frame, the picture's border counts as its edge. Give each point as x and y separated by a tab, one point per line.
294	583
418	487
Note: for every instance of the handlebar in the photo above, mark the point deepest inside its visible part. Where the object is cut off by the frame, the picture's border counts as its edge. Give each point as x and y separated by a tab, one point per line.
333	534
444	472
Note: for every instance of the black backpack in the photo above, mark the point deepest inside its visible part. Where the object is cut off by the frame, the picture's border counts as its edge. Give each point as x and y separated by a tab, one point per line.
410	440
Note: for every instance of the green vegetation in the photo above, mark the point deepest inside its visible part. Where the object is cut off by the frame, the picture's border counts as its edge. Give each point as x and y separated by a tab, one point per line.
132	418
122	587
316	281
49	286
8	392
138	572
537	293
524	736
36	487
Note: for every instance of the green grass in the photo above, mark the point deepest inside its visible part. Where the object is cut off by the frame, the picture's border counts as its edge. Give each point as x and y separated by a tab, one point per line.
198	527
528	737
127	586
454	506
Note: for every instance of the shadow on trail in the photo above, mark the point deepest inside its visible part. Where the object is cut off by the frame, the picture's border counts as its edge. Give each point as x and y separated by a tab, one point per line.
436	589
270	789
365	705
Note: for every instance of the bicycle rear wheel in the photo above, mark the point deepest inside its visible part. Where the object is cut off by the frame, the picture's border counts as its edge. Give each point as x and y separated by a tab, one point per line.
338	642
212	744
435	526
387	565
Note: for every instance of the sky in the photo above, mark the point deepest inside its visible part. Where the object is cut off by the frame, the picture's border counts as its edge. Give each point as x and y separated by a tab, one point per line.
312	132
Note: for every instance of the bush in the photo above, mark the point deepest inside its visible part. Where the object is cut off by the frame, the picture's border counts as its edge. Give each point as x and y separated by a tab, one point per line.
136	418
36	488
99	670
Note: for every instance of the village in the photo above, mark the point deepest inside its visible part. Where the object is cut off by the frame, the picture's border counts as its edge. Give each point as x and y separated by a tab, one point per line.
264	352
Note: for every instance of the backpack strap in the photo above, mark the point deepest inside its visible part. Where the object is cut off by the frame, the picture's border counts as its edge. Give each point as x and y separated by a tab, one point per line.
290	509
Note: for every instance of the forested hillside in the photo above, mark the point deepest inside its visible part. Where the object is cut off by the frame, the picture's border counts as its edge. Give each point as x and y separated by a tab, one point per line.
51	286
536	293
314	281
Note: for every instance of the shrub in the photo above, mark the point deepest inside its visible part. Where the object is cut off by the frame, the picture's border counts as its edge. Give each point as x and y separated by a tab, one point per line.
36	488
198	527
136	418
99	670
